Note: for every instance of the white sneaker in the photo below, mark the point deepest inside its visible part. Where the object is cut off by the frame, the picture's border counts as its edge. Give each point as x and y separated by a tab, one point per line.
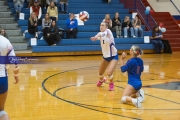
125	36
136	102
134	36
109	1
117	36
142	95
36	36
42	38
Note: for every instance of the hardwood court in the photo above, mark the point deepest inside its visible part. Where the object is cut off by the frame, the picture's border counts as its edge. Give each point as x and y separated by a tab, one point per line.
65	89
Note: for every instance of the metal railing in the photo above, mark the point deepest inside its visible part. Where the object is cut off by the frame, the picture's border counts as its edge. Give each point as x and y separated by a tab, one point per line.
139	7
175	6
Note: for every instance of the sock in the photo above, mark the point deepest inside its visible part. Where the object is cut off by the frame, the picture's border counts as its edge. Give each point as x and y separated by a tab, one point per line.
2	113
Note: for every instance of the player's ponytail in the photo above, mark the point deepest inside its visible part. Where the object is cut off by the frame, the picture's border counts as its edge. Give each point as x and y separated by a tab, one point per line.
136	50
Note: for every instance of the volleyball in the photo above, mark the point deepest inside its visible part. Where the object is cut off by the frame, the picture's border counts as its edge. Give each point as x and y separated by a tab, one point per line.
83	16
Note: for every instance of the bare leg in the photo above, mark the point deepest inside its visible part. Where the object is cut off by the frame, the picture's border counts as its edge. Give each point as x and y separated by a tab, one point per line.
128	95
2	104
111	68
102	69
128	91
133	95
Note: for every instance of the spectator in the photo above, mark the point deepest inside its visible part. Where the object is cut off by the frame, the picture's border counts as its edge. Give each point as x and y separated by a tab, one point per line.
3	33
136	23
72	25
108	1
53	12
48	2
156	39
37	10
53	34
46	23
31	3
127	27
32	25
116	25
63	6
108	20
18	6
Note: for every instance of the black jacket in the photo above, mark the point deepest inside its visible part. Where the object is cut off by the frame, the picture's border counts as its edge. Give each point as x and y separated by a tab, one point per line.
31	28
55	32
114	23
125	24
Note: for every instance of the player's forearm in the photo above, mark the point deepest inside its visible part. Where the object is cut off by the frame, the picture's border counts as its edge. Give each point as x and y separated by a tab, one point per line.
121	62
16	70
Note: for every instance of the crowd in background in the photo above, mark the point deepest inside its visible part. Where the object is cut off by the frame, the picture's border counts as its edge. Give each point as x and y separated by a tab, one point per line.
123	28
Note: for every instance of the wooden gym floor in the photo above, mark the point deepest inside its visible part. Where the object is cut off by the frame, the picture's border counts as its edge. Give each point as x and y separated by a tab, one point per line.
64	88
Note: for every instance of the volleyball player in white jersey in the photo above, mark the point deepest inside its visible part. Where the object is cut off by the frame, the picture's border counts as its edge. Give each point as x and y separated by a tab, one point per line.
110	56
6	49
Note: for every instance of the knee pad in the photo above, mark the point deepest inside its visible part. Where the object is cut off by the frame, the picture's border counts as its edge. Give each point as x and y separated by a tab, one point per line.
2	113
123	99
110	77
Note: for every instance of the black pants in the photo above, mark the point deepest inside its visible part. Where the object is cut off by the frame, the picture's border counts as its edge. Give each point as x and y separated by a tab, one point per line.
53	18
73	32
51	39
33	30
45	31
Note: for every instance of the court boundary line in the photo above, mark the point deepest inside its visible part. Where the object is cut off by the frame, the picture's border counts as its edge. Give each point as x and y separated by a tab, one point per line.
81	105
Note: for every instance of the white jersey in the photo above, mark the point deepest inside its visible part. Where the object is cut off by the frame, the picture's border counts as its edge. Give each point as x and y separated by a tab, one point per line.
6	49
107	43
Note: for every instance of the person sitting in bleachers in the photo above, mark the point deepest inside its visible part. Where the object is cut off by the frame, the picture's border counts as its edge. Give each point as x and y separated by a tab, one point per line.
37	10
116	25
127	27
108	20
136	23
53	11
3	33
155	39
46	23
32	24
63	6
108	1
72	25
31	3
18	6
48	2
53	34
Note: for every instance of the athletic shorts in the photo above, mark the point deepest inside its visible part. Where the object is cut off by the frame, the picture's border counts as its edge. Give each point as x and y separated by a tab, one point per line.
3	84
137	84
111	58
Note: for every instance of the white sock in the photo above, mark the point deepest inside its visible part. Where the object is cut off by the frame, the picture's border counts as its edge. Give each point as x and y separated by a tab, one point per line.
123	99
2	113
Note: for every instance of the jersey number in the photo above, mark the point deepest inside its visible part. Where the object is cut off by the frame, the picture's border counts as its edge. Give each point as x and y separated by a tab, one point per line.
138	70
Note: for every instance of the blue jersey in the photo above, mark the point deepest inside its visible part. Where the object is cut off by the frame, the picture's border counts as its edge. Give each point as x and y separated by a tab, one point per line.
134	67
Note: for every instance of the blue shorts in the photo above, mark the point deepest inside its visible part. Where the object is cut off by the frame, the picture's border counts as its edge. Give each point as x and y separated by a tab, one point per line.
3	84
111	58
137	84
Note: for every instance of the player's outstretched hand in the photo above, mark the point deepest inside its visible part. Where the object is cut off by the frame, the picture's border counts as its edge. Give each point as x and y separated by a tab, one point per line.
16	79
93	38
123	55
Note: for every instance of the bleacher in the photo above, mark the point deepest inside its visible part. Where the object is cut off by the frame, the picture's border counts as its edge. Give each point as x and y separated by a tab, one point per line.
97	10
